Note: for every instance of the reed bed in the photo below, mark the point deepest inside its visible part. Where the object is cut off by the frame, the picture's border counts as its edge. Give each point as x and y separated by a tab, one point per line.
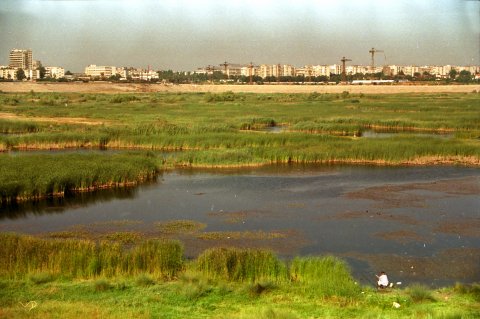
326	276
22	256
37	176
216	129
241	265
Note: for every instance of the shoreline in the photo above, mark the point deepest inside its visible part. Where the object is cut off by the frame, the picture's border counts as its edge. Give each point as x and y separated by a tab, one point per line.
115	88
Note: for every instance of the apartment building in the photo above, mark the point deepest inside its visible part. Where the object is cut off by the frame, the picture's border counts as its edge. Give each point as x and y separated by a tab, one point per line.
100	71
232	70
22	59
54	72
8	73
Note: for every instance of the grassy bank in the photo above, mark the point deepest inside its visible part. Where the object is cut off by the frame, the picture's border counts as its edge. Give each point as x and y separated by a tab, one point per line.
77	279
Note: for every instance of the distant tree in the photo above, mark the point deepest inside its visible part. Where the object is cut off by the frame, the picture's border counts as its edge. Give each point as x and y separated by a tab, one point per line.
452	74
321	78
42	72
464	76
335	78
115	77
20	74
68	73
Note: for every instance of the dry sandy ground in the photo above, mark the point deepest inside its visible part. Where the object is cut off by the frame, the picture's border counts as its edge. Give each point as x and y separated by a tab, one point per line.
105	87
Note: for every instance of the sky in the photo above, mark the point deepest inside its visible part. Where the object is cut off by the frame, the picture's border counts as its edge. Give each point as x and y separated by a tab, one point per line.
186	34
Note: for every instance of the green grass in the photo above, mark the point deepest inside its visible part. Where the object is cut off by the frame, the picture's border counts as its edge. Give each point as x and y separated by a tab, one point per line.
105	281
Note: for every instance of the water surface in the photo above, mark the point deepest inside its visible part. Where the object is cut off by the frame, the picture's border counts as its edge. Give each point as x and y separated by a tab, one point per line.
420	224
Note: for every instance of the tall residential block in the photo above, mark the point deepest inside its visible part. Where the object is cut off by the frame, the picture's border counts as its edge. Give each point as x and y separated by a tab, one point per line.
20	58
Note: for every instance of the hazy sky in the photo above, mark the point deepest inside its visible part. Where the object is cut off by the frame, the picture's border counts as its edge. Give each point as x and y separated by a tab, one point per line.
184	35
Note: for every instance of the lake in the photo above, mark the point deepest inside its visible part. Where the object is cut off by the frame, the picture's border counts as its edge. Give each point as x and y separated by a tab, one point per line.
419	224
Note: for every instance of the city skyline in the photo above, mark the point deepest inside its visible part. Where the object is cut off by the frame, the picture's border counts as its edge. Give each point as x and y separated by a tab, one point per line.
185	35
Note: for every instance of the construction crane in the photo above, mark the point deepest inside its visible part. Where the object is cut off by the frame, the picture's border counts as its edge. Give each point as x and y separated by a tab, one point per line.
372	52
225	65
344	75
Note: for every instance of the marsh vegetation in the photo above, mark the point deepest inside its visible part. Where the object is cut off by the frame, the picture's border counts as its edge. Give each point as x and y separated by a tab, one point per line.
223	130
123	274
52	278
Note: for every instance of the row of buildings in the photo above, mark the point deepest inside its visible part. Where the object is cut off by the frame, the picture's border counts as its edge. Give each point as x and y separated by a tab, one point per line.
287	70
123	73
21	59
33	69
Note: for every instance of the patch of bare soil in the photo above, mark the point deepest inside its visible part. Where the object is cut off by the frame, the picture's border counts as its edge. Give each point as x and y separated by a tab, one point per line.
65	120
393	196
463	227
457	263
402	236
106	87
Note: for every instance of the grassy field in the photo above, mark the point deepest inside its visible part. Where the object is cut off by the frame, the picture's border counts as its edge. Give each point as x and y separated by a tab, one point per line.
78	279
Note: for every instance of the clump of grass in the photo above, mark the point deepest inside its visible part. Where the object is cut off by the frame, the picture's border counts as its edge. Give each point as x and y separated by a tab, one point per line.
241	264
144	280
228	96
179	226
324	276
41	278
123	237
276	314
473	290
253	235
102	285
258	288
15	127
196	290
163	258
420	293
123	98
257	122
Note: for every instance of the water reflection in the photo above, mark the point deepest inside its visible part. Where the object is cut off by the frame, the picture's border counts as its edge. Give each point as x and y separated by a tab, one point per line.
58	205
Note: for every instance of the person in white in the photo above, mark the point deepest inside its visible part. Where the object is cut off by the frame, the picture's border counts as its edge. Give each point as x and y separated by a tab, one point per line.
382	280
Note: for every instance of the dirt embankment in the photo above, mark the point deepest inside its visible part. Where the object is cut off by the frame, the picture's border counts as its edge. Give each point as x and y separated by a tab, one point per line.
105	87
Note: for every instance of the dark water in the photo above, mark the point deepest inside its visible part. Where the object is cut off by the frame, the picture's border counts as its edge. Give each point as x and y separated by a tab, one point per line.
408	221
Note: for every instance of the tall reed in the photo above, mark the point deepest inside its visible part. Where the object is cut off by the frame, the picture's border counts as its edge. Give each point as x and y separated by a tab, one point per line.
324	276
241	264
35	176
24	255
